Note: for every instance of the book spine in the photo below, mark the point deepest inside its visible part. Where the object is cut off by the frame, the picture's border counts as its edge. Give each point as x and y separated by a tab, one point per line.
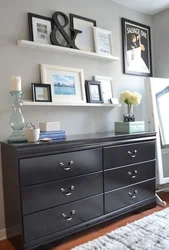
53	136
60	132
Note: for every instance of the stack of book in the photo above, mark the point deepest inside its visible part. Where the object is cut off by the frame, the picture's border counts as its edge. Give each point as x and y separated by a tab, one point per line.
54	135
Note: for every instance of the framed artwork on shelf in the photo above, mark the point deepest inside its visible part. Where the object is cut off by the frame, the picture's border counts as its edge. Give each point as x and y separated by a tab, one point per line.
103	41
93	92
84	40
67	84
136	40
41	92
106	87
40	28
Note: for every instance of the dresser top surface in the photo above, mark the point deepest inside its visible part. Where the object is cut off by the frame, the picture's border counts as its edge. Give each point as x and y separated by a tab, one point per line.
87	139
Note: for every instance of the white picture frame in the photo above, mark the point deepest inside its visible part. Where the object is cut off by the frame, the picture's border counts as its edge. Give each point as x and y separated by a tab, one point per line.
103	41
67	84
85	40
106	87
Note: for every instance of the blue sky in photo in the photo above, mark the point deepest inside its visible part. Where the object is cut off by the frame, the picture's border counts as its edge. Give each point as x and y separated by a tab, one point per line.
67	80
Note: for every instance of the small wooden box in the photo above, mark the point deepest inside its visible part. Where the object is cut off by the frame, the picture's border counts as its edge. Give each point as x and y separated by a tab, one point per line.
130	127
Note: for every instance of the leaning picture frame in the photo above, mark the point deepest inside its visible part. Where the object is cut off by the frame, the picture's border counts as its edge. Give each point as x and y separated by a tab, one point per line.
103	41
106	87
136	42
85	40
41	92
40	28
67	84
93	92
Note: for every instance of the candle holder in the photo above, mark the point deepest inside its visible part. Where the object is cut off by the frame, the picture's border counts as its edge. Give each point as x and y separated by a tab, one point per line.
17	121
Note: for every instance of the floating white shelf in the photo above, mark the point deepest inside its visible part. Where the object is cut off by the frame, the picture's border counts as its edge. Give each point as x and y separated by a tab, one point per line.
59	49
29	103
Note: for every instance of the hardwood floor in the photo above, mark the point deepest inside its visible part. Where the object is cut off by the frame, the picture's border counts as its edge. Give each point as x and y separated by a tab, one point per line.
95	232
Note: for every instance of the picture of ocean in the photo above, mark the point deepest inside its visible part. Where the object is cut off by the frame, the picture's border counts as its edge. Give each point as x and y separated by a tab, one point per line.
64	85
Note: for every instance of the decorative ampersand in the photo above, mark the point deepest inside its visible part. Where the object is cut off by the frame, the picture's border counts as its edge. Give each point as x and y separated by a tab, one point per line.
60	28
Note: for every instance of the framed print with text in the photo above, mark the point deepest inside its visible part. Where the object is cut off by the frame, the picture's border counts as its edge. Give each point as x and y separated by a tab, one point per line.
103	41
136	40
106	87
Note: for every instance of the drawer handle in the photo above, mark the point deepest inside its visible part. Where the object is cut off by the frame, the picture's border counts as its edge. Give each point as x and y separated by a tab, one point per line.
133	195
64	167
68	218
133	154
134	174
68	192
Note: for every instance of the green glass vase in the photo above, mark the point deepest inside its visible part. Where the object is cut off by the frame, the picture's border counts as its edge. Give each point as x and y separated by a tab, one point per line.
17	121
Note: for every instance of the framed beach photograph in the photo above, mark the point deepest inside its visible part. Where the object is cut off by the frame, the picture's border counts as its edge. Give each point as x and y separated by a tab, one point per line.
84	40
136	40
41	92
103	41
40	28
106	87
67	84
93	91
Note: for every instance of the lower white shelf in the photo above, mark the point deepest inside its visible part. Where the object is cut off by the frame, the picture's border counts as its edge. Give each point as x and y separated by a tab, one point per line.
29	103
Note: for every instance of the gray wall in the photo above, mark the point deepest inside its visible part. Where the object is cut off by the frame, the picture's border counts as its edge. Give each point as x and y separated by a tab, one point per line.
25	62
161	44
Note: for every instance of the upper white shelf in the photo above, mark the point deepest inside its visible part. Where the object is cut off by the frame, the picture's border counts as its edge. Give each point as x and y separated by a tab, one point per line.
59	49
29	103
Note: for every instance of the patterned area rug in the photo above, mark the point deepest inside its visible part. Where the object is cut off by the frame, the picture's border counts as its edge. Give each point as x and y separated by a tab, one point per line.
148	233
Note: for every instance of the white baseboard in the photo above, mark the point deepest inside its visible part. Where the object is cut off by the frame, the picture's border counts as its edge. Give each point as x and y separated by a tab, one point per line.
2	234
12	231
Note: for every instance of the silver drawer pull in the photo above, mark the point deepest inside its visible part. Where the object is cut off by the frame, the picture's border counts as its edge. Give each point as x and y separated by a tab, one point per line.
64	167
134	174
132	154
68	192
68	218
133	195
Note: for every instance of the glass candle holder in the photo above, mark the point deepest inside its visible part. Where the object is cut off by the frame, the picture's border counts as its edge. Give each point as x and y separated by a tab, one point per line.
17	121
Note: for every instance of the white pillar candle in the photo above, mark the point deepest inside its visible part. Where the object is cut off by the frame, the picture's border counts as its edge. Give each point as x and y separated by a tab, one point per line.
16	83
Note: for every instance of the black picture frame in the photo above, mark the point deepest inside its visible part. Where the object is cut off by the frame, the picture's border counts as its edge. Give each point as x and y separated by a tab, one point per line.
41	85
90	98
82	18
72	27
136	42
30	23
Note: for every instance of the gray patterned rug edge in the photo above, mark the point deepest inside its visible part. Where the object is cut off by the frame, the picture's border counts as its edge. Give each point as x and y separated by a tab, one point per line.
148	233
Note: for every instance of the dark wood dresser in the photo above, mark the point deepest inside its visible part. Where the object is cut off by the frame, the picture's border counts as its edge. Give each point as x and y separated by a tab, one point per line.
58	188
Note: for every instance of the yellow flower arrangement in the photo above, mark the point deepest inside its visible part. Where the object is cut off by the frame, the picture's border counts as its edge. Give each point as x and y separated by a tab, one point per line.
130	97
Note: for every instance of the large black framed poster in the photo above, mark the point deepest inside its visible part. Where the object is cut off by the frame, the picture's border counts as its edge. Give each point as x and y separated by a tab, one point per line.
136	39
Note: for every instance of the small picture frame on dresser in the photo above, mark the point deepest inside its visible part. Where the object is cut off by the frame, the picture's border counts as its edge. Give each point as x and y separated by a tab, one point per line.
41	92
93	92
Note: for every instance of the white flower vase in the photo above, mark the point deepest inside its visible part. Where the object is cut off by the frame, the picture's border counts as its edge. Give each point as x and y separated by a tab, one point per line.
129	116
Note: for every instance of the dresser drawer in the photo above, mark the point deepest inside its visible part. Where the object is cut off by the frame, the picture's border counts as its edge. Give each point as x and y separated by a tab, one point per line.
124	176
53	167
52	220
127	196
128	154
56	193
